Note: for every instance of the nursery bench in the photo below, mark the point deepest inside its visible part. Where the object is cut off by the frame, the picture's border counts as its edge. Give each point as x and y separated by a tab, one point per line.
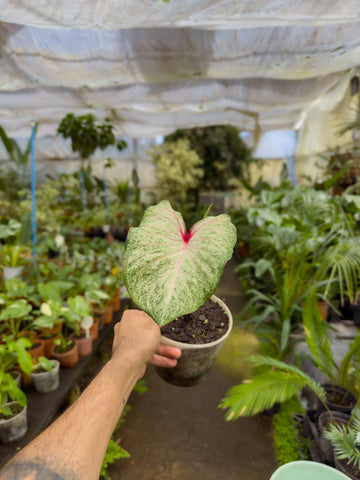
42	408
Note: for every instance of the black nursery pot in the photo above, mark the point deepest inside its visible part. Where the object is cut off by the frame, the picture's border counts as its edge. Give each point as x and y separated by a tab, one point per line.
338	399
355	309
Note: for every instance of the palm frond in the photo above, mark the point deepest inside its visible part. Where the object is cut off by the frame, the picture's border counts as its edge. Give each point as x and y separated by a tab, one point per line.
344	442
316	336
342	261
353	352
277	384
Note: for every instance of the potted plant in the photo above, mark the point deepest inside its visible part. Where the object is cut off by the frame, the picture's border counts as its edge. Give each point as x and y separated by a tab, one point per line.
45	375
13	413
344	439
78	310
13	313
170	272
66	351
13	251
48	318
103	310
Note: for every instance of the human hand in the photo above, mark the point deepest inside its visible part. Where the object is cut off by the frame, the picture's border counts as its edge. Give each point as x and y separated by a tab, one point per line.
137	336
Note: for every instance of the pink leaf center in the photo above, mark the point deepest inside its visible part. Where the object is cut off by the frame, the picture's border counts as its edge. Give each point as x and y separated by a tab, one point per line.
186	236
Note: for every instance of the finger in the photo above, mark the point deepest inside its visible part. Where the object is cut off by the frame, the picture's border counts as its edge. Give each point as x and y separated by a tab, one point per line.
160	361
167	351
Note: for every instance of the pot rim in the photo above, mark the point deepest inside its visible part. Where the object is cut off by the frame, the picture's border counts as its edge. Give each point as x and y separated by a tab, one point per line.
13	402
193	346
53	371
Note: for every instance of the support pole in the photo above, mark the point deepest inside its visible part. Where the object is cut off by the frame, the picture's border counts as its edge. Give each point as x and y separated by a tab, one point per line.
33	193
106	192
291	167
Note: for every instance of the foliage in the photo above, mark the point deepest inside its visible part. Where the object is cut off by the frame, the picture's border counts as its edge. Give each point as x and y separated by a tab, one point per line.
344	439
178	171
284	432
225	156
86	135
301	239
113	452
45	364
278	383
179	270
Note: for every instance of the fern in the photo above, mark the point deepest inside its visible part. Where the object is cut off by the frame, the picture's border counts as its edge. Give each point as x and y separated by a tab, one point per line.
113	452
277	384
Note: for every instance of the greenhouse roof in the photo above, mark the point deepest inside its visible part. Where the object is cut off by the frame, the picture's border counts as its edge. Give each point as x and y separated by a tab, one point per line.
153	66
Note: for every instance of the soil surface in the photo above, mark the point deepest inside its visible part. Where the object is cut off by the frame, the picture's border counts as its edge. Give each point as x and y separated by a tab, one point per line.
205	325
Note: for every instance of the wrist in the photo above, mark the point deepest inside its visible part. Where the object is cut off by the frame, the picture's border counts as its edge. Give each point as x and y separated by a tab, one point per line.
125	364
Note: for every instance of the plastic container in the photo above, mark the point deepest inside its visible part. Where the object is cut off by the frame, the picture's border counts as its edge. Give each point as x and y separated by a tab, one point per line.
305	470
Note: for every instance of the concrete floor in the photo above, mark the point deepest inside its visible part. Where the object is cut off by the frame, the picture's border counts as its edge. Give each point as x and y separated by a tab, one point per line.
175	433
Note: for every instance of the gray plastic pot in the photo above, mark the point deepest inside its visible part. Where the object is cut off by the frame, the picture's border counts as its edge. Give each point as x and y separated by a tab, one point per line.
12	272
45	382
196	360
13	428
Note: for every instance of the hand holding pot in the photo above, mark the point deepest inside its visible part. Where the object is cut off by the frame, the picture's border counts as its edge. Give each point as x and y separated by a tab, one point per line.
138	337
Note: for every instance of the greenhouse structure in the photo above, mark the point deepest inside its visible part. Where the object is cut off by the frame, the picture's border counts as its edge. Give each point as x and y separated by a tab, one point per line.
179	239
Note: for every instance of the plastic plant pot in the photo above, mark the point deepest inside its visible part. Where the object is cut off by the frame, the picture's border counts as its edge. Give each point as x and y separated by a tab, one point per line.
306	470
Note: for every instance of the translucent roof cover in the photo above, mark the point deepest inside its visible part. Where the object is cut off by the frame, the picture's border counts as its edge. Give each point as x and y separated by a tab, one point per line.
153	66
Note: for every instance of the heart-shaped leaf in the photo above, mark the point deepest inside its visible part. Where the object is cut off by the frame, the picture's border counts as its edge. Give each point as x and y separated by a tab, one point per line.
169	272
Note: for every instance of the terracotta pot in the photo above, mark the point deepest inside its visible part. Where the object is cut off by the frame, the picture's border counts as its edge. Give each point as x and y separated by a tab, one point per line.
84	345
38	350
324	310
15	427
116	303
108	314
67	359
94	329
196	360
48	344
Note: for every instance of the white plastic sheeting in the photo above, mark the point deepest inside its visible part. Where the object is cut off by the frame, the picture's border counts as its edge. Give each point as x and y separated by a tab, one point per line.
154	66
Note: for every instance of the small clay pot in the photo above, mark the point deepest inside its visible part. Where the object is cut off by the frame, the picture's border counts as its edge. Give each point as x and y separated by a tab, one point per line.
67	359
94	329
116	303
84	345
49	343
108	314
38	349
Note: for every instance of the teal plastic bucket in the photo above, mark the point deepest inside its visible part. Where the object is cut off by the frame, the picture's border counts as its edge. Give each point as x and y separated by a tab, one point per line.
305	470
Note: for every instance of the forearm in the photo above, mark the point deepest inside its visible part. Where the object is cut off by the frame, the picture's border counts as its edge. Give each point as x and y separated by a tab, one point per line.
71	449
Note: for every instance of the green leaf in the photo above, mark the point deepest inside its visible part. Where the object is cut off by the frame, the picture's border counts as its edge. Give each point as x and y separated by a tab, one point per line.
317	337
262	266
18	309
169	272
278	384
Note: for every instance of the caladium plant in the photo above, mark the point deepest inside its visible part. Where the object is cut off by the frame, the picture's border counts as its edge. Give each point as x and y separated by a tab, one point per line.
171	272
